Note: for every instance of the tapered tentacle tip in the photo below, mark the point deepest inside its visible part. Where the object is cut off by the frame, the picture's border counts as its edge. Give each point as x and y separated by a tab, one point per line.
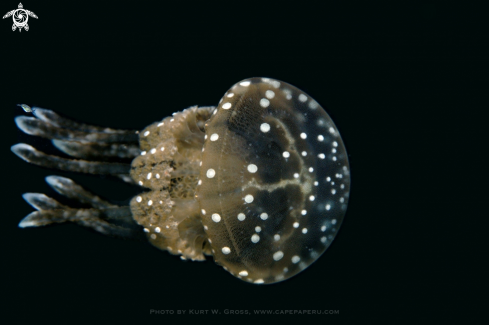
42	113
30	221
31	198
41	201
26	124
23	151
57	181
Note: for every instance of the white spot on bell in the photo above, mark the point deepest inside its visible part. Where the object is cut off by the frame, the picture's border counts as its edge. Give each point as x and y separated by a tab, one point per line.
139	199
245	83
304	230
241	216
270	94
255	238
264	216
146	133
265	127
295	259
276	237
243	273
211	173
226	106
252	168
214	137
249	198
226	250
277	256
286	154
302	98
216	217
303	135
264	102
150	202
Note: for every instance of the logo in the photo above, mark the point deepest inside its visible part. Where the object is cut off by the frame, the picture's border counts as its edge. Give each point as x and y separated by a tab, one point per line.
20	17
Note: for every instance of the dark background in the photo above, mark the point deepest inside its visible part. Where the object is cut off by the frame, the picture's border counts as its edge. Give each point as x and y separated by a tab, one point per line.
405	83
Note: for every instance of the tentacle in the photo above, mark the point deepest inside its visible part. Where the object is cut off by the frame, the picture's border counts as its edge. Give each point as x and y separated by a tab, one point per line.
30	154
54	119
70	189
91	218
93	150
38	127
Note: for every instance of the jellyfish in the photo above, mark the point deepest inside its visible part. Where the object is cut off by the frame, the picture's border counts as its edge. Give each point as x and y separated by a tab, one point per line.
260	183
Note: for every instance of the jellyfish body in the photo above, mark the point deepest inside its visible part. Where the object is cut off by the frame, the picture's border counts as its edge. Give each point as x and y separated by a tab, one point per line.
261	182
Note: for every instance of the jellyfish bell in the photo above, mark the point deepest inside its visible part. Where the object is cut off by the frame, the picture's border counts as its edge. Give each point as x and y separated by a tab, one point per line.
261	182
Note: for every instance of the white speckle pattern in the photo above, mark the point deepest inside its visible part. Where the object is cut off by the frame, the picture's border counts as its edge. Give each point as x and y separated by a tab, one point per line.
226	250
255	238
264	102
211	173
277	256
264	216
265	127
252	168
214	137
216	217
